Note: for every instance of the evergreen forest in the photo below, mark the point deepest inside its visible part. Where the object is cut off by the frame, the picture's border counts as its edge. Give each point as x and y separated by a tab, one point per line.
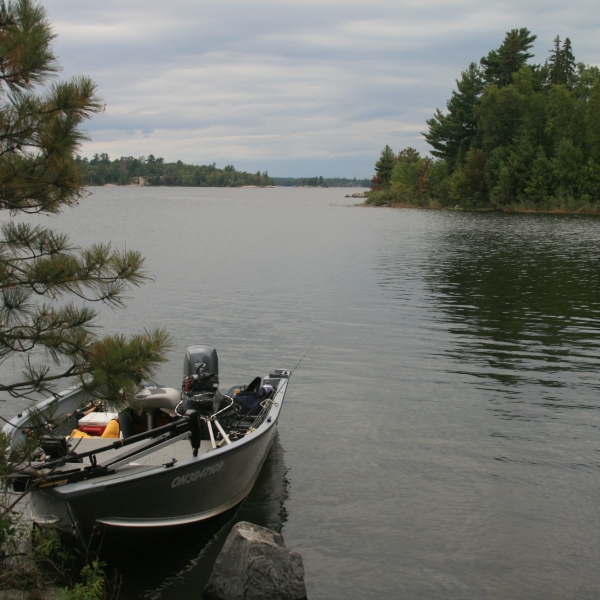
321	182
127	170
515	135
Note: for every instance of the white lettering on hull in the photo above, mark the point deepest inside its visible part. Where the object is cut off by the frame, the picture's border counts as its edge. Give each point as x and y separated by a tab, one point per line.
195	475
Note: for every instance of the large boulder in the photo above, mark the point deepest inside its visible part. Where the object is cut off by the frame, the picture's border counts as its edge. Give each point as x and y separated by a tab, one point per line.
254	564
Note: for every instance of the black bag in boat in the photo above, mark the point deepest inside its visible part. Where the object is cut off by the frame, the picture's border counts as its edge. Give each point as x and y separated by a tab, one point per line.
250	398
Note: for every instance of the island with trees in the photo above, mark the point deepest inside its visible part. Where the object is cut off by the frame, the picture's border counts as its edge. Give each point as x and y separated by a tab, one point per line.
151	170
321	182
515	136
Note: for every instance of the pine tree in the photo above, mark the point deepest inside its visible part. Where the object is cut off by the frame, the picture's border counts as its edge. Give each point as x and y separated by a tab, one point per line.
554	63
46	283
409	155
384	166
562	67
500	65
569	64
451	134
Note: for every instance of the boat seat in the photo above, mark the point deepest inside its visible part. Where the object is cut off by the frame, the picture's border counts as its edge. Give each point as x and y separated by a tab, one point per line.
151	399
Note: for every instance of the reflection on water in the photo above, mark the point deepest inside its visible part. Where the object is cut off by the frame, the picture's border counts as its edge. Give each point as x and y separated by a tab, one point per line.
508	311
521	297
183	560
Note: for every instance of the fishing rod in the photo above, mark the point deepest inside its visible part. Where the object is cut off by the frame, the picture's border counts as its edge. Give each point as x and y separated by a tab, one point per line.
298	363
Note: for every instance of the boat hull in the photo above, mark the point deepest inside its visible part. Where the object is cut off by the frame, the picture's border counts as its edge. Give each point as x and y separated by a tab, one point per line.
167	495
195	490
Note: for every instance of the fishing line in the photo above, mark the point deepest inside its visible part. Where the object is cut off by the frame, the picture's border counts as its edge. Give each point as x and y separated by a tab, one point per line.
298	363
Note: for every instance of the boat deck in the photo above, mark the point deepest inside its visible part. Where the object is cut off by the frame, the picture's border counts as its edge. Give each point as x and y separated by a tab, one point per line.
177	451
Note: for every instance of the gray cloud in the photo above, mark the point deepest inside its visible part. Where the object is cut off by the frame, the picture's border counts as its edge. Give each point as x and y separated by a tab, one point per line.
297	88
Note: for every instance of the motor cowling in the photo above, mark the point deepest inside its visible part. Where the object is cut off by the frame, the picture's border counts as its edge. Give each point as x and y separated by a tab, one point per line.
200	370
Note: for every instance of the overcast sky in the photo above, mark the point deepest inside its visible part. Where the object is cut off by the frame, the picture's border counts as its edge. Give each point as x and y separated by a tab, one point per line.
298	88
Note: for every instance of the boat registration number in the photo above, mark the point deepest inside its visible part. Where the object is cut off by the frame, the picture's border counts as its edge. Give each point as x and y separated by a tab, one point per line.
194	476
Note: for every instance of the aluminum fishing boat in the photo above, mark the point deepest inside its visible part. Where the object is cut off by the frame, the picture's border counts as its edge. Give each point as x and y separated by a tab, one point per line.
174	457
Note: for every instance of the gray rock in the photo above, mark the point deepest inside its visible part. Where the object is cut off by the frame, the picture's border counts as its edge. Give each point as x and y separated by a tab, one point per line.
254	564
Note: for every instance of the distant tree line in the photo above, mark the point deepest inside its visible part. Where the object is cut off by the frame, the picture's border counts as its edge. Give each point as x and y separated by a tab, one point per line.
100	170
321	181
515	136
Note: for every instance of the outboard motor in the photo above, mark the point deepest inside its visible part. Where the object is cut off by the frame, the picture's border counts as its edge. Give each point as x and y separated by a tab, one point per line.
200	370
200	394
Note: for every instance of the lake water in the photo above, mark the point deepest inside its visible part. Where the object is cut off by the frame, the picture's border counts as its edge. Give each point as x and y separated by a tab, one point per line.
440	438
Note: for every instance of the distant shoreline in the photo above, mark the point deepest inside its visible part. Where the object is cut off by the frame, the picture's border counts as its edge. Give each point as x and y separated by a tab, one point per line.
135	185
280	187
505	210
